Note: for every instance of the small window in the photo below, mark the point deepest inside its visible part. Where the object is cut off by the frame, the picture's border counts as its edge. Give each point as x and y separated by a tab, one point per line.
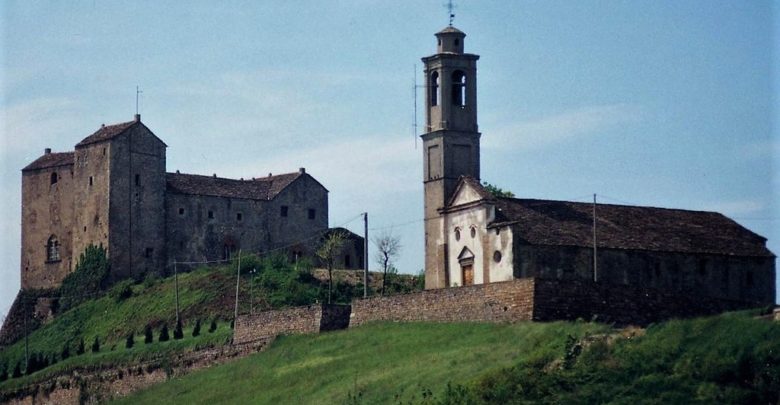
137	179
347	262
90	180
284	210
54	178
434	88
457	233
181	210
749	278
211	214
458	88
239	217
497	256
148	252
312	213
473	232
52	249
104	151
457	42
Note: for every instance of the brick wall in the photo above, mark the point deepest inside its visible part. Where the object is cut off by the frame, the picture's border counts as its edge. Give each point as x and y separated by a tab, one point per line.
508	301
622	304
308	319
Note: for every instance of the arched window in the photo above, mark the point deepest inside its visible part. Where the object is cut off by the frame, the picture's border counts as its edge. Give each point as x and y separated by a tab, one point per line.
458	88
434	88
54	178
52	249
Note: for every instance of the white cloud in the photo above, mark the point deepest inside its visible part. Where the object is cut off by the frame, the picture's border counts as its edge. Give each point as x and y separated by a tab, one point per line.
580	122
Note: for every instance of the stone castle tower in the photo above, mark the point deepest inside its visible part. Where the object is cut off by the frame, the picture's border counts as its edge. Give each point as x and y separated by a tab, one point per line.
451	140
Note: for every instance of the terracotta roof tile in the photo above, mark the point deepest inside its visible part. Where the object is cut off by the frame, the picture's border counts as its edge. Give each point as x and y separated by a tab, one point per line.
106	132
545	222
51	160
264	188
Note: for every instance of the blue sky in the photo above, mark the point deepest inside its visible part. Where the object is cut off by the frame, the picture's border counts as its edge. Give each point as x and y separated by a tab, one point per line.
660	103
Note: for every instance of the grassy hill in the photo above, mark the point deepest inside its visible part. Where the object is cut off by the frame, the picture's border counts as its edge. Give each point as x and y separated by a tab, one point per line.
731	358
206	294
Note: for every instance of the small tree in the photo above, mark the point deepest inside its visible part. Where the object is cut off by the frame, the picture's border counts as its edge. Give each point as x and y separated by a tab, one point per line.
148	336
65	351
330	248
213	326
388	248
177	332
497	191
164	334
96	345
3	373
17	370
130	341
196	329
80	347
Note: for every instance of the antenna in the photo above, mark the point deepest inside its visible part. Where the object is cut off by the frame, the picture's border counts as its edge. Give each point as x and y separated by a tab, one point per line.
414	91
138	91
450	9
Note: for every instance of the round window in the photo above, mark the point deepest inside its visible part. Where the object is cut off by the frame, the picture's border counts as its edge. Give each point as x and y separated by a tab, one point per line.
457	234
473	232
496	256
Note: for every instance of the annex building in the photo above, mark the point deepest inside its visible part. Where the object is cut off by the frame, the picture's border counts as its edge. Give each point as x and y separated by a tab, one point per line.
473	237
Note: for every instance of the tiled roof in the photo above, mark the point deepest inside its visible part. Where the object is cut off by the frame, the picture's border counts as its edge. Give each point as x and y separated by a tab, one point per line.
545	222
106	132
264	188
51	160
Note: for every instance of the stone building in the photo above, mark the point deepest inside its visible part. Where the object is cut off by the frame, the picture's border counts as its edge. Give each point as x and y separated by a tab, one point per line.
113	190
473	237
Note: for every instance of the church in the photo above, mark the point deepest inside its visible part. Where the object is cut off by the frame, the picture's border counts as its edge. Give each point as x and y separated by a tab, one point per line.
474	237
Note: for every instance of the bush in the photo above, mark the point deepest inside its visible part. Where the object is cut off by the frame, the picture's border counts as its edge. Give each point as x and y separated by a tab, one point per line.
164	337
213	326
96	345
148	336
87	280
65	351
177	332
3	373
80	348
196	329
122	291
17	370
130	341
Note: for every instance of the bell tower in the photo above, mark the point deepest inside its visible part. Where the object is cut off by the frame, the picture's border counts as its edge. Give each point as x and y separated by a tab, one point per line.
451	140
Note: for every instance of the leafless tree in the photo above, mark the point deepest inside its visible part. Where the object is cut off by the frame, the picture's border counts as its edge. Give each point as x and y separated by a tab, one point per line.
328	251
388	248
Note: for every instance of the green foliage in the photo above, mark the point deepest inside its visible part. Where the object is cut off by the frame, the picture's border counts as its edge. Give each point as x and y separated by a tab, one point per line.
177	331
164	336
96	345
80	348
17	371
121	291
497	191
87	280
65	353
3	373
130	341
148	334
213	326
196	329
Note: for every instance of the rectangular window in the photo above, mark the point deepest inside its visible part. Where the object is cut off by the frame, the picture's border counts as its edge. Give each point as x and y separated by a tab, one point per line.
312	213
347	262
90	180
181	211
284	210
137	179
239	217
148	252
211	214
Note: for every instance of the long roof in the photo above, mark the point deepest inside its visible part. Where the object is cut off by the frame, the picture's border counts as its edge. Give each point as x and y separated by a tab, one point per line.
51	160
264	188
546	222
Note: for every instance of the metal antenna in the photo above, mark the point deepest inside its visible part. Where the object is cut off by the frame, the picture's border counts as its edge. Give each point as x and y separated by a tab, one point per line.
138	91
450	9
414	90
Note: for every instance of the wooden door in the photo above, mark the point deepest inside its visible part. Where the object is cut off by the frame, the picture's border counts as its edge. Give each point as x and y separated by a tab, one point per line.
468	274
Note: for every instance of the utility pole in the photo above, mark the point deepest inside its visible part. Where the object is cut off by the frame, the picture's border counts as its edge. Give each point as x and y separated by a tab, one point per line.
365	254
595	249
238	278
176	283
251	292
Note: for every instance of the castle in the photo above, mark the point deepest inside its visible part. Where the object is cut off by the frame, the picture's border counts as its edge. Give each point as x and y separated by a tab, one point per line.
114	191
474	237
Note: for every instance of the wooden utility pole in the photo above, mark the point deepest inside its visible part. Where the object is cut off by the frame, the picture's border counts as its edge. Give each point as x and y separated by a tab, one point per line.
176	283
595	249
365	254
238	278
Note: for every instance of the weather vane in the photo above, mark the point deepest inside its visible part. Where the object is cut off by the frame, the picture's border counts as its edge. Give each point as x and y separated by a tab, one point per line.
450	8
138	92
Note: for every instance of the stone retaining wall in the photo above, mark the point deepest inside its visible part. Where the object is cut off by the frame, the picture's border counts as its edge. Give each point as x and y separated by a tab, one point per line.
308	319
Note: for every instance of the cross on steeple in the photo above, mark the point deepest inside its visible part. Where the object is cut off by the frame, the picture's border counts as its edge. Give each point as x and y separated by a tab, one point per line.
450	9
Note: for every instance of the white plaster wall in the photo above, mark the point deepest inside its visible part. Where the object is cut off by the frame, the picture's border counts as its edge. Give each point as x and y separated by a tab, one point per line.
464	220
466	195
502	242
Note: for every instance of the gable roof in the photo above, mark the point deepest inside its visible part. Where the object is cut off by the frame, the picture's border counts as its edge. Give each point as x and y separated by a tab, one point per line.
469	181
564	223
265	188
51	160
108	132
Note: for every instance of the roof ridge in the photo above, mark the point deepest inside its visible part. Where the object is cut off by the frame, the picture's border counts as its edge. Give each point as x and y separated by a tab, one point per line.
512	199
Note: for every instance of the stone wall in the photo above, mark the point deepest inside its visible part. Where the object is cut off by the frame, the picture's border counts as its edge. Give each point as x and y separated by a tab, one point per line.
307	319
508	301
621	304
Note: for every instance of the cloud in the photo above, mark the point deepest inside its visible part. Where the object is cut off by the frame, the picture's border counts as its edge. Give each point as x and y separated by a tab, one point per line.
736	207
568	125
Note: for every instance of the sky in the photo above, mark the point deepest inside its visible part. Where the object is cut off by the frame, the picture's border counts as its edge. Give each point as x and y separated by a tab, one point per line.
656	103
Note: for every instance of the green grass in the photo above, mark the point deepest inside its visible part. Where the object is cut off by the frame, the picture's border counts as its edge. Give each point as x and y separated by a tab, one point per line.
384	362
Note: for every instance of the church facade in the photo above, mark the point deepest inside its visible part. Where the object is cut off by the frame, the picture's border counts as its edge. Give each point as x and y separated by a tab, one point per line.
113	190
473	237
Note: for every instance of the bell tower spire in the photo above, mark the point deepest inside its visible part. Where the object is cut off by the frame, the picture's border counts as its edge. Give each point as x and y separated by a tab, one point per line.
451	140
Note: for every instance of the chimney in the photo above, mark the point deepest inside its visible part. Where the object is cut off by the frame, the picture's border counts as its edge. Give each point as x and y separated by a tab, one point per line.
137	118
270	174
302	170
215	175
178	172
47	151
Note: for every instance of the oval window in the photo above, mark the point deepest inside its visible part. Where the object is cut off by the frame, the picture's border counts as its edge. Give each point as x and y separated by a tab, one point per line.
457	234
473	232
496	256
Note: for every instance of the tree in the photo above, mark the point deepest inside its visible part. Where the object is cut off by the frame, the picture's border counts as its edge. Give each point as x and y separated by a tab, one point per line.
497	191
177	332
65	351
87	280
17	370
164	334
96	345
213	326
3	373
80	348
388	248
330	248
196	329
148	335
130	340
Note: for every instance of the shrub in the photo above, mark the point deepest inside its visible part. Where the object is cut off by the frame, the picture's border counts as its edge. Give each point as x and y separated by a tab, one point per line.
17	370
213	326
130	341
88	279
177	332
3	373
122	291
148	336
65	351
164	337
196	329
96	345
80	348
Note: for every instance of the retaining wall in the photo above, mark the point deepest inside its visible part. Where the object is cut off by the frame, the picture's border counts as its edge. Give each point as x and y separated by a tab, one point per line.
308	319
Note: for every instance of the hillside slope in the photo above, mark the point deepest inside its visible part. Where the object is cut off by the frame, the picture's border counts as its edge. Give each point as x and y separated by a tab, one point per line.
731	358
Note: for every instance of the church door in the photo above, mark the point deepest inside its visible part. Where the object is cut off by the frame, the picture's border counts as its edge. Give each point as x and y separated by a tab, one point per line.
468	274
